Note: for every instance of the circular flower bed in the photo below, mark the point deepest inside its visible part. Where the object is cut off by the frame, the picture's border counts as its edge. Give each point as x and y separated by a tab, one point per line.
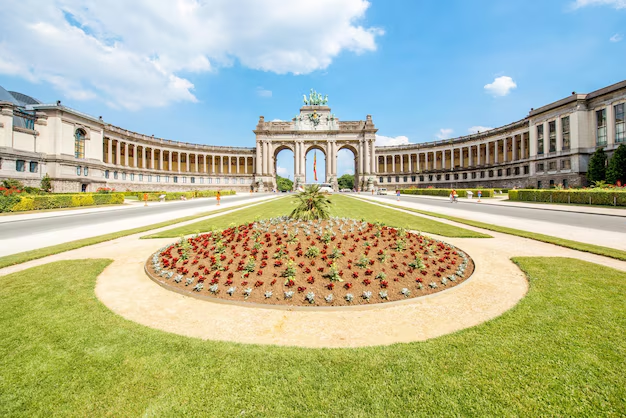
334	262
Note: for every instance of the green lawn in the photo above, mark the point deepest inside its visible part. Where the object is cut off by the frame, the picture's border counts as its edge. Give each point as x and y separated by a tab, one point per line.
575	245
341	206
362	209
559	352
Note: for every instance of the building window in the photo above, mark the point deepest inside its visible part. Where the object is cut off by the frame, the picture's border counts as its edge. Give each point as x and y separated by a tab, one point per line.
217	181
79	143
19	165
380	180
79	170
241	181
526	169
552	135
32	166
540	139
482	174
123	176
421	178
132	176
158	179
209	180
540	167
225	181
490	173
539	184
566	164
551	183
141	177
106	174
508	172
397	179
565	184
601	127
620	123
201	180
193	179
552	166
473	175
388	179
413	179
499	172
150	178
184	179
516	171
565	132
406	178
175	179
115	175
167	179
86	172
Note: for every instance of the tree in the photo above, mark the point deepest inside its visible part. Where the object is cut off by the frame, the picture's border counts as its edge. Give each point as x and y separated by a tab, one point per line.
46	184
312	204
346	181
597	166
617	166
283	184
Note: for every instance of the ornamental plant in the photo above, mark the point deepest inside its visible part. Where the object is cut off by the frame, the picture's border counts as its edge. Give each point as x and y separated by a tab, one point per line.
311	204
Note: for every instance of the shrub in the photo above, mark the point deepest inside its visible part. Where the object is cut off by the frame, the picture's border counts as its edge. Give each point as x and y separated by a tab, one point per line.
18	203
446	192
607	197
46	184
312	204
597	166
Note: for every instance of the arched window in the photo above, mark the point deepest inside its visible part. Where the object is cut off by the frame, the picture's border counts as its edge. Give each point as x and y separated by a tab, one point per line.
79	143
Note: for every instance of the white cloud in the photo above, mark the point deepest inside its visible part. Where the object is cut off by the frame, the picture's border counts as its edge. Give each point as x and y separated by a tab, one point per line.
277	120
476	129
616	38
383	141
141	54
444	133
281	171
501	86
617	4
261	92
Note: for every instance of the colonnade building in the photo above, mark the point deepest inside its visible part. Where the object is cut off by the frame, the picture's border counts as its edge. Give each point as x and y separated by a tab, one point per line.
551	145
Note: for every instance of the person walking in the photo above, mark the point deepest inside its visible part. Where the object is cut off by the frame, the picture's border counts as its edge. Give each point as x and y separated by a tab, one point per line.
398	195
452	195
479	195
218	197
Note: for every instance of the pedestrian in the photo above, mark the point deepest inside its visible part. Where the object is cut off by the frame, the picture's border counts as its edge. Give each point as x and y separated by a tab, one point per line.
398	195
218	197
452	192
479	195
455	196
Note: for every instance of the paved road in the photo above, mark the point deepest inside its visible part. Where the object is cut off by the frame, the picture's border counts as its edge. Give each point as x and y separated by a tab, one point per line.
36	232
584	220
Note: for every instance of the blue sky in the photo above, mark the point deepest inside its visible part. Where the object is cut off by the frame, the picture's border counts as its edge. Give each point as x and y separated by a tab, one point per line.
204	71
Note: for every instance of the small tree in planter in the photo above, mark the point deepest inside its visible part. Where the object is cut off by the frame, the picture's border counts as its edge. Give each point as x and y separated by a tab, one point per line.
617	166
312	204
46	184
597	166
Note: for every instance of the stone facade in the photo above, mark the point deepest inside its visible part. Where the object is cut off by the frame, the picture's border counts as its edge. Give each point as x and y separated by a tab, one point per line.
552	145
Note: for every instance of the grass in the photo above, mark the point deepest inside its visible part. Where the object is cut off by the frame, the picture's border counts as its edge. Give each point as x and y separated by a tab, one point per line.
25	256
562	242
340	207
559	352
362	209
271	209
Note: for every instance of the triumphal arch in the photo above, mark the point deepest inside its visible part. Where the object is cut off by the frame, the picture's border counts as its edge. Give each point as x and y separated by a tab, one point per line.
315	127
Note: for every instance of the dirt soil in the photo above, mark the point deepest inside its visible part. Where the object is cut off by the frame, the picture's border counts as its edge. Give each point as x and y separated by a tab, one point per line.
334	257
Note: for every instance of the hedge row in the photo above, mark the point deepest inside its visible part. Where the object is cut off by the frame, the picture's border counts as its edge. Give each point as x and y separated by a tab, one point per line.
154	196
19	203
446	192
587	197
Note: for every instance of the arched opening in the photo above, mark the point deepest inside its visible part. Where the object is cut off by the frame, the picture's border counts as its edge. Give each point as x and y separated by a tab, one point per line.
315	164
283	169
346	168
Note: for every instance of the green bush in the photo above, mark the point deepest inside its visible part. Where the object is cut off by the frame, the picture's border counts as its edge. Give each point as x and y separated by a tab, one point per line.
446	192
606	197
19	203
154	196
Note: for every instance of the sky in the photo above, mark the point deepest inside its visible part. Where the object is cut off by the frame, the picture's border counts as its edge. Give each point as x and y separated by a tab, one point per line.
203	71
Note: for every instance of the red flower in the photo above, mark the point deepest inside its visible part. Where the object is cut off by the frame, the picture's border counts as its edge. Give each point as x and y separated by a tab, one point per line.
355	274
258	283
369	272
290	283
259	273
273	282
384	284
419	280
229	282
310	280
347	286
367	282
301	289
330	286
244	283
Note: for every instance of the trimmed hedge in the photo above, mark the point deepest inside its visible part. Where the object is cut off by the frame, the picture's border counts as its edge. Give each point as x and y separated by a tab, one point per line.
605	197
446	192
19	203
154	196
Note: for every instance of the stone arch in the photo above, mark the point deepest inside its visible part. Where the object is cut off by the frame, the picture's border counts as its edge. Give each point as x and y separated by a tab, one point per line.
355	152
274	163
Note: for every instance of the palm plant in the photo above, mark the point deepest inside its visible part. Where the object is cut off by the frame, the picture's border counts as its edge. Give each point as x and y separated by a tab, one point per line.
312	204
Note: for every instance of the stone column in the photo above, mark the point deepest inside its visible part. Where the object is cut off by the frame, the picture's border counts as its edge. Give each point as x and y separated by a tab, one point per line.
110	151
264	158
461	157
401	163
143	157
505	151
546	139
160	159
610	126
178	167
373	159
418	162
385	164
393	164
523	146
126	154
451	158
427	160
134	146
487	156
515	154
410	163
258	155
495	152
